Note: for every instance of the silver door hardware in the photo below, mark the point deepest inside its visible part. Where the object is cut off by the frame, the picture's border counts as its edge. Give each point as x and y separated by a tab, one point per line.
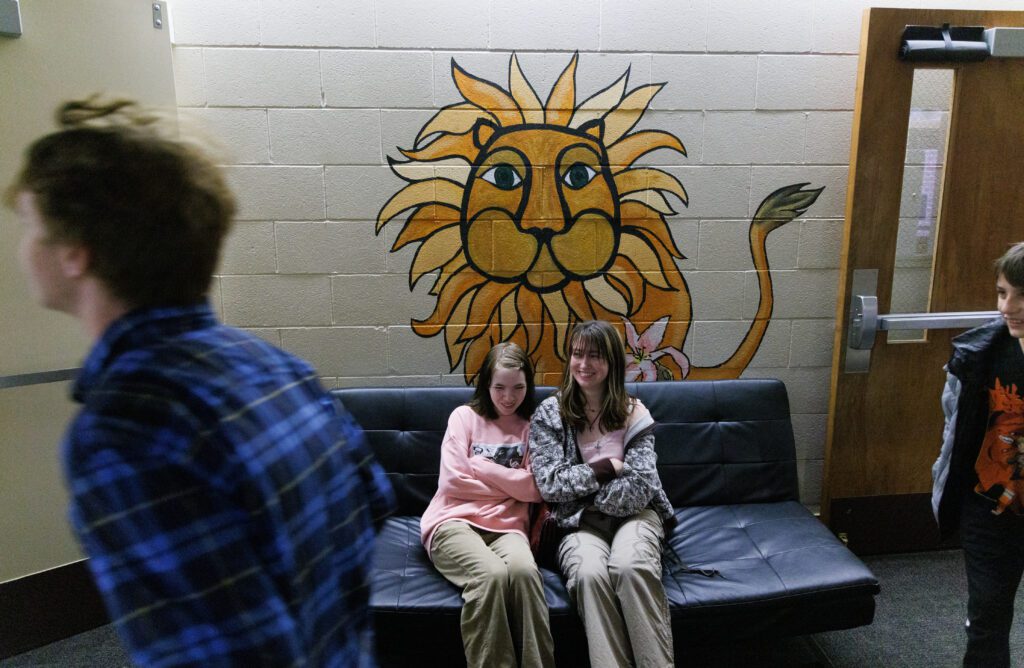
865	321
158	16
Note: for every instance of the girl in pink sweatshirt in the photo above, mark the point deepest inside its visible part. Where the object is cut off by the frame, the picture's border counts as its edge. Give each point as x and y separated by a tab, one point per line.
475	528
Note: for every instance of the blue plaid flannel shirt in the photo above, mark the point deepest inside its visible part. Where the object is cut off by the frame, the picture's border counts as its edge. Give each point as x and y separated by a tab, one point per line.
226	501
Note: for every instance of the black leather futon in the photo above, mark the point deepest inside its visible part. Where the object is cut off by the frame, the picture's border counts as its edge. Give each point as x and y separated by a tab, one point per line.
728	463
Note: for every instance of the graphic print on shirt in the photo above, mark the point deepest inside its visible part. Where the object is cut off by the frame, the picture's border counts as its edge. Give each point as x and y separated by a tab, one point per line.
509	455
1000	464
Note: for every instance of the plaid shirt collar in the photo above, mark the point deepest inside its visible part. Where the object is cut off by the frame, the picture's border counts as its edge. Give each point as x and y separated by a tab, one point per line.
136	329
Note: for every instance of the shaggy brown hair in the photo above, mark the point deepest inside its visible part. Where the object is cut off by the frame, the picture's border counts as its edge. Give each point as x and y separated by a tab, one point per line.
151	209
599	336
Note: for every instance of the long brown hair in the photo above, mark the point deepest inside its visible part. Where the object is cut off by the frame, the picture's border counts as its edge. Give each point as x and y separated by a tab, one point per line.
507	356
598	336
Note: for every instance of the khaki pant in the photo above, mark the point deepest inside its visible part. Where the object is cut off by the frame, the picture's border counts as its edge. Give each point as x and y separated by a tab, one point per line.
612	567
504	613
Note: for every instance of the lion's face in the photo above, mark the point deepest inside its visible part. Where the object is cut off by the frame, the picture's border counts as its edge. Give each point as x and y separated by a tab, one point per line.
531	217
540	208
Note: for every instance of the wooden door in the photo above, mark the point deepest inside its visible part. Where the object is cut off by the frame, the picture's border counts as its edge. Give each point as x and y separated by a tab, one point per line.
885	425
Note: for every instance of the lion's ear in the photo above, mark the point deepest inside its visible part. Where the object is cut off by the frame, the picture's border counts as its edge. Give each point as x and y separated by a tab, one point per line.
483	130
594	128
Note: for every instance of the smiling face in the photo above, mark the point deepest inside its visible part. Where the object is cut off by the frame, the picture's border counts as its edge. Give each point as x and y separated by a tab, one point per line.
507	389
588	368
540	208
1010	302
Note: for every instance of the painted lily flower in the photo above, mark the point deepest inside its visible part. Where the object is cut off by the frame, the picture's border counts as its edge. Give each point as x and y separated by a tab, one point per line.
645	349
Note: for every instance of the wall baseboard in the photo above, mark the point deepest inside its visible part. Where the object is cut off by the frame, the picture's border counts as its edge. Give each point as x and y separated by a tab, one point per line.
45	607
887	524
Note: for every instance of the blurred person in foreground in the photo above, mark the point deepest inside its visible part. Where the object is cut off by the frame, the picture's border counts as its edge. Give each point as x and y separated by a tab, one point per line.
226	501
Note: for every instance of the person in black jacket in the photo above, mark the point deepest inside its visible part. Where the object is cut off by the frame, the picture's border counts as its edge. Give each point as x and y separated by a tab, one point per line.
978	479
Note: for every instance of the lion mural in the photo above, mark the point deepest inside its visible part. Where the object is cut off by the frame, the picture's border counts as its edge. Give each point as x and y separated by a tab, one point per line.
533	217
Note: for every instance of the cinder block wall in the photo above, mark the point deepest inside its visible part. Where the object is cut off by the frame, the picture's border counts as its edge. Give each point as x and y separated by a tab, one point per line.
310	98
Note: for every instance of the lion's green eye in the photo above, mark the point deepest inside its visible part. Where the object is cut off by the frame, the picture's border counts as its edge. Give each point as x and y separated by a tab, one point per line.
503	176
578	176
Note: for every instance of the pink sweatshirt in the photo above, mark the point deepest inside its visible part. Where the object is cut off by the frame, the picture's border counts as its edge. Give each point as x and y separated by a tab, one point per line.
475	489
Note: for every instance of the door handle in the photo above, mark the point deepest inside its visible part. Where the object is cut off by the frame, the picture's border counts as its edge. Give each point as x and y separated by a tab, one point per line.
866	321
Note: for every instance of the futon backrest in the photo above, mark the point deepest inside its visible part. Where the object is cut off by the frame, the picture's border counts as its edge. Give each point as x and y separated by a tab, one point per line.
718	442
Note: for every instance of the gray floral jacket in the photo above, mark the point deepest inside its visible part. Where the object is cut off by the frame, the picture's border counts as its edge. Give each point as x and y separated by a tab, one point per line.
570	486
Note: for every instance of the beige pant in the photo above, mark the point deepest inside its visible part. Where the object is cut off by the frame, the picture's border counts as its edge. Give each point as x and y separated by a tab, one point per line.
613	570
504	613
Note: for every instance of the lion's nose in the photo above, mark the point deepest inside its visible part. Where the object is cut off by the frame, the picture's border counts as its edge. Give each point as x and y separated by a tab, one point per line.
543	210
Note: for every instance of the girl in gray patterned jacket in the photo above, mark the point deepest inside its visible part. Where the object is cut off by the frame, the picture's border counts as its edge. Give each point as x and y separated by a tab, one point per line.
592	449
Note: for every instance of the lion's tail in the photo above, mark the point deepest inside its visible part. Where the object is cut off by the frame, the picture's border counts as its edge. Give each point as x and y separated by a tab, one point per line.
776	210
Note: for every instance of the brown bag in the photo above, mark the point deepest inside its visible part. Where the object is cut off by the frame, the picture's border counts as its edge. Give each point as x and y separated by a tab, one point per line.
545	535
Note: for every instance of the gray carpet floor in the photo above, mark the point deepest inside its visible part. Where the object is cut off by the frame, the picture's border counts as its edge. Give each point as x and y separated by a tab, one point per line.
918	624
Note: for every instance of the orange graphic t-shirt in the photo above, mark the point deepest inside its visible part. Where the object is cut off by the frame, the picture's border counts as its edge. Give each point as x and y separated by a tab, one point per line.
1000	464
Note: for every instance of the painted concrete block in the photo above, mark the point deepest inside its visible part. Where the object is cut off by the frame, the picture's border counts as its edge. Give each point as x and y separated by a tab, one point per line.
325	136
340	351
274	192
359	192
725	245
686	233
372	299
809	431
714	342
654	25
753	137
821	243
317	23
239	135
718	295
828	137
215	297
933	90
262	77
594	71
329	248
774	349
831	203
189	76
377	79
271	336
760	26
276	301
453	24
783	245
249	249
813	342
837	24
410	354
808	387
389	381
715	192
686	126
806	82
226	22
699	81
540	24
926	138
399	128
809	473
808	293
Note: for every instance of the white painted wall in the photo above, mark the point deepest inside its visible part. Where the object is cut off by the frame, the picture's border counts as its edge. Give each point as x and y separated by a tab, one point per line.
311	96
